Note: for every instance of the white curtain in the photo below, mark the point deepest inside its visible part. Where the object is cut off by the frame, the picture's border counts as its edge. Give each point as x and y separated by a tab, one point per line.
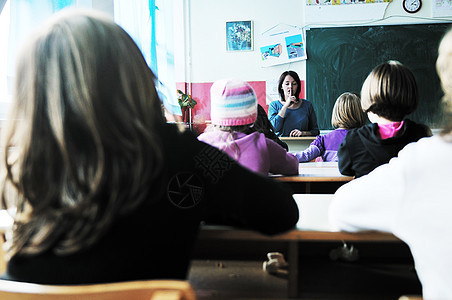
134	17
165	55
150	24
17	20
4	34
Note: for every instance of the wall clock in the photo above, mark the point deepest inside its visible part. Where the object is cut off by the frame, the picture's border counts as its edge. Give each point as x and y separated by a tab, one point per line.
412	6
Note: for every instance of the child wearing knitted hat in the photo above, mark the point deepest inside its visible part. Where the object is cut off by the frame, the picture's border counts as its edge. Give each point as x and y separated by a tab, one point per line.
233	113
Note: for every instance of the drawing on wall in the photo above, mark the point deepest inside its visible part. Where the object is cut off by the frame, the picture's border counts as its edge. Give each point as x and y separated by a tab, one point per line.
339	2
282	44
295	46
267	52
239	36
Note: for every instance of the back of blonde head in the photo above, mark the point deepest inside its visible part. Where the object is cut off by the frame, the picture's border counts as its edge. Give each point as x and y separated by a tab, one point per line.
84	123
444	69
347	112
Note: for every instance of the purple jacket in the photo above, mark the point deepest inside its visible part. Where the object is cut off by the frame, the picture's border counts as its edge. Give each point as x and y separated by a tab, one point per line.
253	151
324	145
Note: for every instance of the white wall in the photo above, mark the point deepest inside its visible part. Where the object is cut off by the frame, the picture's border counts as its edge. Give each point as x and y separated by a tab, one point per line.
211	61
207	59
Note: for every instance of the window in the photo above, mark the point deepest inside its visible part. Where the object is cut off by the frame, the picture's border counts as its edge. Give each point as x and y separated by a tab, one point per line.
5	84
149	22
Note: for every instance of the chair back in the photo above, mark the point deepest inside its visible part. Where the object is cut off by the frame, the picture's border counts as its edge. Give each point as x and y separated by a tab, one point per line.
131	290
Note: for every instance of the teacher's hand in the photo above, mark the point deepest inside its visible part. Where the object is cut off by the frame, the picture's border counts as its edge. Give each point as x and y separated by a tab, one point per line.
286	104
292	100
295	133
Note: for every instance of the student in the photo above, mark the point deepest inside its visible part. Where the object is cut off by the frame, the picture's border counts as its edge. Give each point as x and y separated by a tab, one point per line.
411	197
233	112
290	115
263	125
388	95
104	190
347	114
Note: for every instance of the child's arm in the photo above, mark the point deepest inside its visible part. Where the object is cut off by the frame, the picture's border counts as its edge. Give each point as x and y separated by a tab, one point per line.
314	150
309	154
281	162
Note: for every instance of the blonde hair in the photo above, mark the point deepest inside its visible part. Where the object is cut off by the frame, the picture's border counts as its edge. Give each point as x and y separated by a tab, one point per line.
347	112
84	124
444	69
390	91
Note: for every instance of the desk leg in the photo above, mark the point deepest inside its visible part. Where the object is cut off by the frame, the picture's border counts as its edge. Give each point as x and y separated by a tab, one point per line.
292	283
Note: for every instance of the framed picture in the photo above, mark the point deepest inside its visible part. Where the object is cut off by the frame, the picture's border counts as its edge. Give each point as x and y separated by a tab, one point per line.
239	36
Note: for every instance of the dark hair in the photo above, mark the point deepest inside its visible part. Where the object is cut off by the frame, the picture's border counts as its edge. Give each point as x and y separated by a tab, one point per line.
263	125
390	91
281	80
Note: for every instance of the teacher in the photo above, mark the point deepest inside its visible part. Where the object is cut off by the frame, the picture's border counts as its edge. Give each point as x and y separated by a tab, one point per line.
290	115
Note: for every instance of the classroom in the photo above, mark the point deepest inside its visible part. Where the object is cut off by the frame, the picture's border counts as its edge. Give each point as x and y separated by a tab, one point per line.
191	44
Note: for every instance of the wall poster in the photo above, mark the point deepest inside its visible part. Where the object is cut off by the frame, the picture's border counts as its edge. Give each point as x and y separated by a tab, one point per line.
282	44
239	36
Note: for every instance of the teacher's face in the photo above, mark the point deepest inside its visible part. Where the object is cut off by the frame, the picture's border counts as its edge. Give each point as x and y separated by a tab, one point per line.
289	86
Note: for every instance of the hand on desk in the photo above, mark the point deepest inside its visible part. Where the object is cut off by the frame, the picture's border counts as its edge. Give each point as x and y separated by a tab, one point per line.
298	133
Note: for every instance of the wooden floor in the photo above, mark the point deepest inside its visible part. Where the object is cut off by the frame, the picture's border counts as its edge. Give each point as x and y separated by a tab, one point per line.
378	274
235	279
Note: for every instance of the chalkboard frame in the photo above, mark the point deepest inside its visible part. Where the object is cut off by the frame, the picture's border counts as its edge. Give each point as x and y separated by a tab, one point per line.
340	58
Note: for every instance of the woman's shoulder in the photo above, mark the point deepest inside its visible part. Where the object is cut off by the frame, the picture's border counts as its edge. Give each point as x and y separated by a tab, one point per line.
305	105
306	102
276	104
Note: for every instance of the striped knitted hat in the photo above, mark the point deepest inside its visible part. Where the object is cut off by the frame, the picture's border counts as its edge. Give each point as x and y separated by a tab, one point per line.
233	103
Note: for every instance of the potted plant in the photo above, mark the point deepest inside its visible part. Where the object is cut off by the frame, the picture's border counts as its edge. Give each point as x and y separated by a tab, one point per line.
186	102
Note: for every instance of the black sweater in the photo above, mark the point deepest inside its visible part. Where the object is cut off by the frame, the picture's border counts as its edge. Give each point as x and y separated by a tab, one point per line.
156	240
362	150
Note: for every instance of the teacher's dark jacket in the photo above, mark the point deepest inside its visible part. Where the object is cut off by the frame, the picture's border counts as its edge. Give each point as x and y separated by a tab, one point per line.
362	149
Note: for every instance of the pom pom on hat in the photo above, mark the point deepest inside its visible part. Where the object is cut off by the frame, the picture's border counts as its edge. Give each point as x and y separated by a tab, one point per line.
233	103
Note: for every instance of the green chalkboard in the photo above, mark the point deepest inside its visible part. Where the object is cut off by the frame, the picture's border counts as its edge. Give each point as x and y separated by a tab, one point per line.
340	58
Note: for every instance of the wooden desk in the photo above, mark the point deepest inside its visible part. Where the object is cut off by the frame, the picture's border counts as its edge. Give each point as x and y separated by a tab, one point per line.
316	178
312	226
